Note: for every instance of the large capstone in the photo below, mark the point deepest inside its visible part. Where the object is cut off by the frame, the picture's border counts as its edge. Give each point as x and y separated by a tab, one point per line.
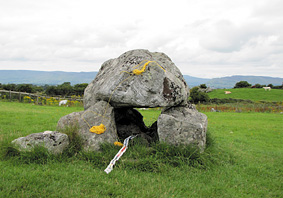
53	141
160	85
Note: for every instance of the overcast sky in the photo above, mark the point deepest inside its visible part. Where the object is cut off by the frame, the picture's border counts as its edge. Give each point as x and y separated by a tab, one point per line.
204	38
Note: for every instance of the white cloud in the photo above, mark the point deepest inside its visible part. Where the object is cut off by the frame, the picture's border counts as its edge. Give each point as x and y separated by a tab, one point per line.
204	38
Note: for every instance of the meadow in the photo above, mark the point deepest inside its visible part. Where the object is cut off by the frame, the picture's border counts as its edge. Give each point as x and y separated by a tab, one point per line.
245	100
255	94
243	158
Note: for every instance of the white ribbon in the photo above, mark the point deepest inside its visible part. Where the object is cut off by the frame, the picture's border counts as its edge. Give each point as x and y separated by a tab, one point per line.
119	154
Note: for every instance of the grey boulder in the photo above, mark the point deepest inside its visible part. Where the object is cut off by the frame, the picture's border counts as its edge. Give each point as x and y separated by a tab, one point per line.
99	113
182	125
162	83
53	141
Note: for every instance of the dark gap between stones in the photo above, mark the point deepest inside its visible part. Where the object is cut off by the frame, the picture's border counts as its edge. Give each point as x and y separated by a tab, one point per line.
129	121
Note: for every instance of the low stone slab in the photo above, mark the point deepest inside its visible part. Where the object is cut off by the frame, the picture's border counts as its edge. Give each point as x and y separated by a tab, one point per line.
99	113
53	141
182	125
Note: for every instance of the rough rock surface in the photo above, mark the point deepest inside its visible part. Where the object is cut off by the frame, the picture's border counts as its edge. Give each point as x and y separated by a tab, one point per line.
53	141
154	88
112	96
93	116
182	125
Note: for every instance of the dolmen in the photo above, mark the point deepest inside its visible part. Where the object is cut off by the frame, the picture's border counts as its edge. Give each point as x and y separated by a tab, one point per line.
137	79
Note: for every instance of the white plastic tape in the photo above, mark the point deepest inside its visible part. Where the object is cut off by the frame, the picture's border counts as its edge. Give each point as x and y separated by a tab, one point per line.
119	154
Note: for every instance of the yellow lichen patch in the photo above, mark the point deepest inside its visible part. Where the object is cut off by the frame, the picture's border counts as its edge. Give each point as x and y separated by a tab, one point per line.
140	71
98	129
118	144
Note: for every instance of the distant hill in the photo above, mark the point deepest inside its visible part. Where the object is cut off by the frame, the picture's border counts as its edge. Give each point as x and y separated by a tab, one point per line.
59	77
229	82
44	77
194	81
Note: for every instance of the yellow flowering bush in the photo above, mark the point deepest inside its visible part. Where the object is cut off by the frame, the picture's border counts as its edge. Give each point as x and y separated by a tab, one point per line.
52	101
27	99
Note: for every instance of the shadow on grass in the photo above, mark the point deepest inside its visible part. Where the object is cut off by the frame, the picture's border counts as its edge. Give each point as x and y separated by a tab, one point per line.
139	156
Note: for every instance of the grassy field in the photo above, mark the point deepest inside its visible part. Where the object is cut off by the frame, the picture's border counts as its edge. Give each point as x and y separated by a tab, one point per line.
275	95
244	158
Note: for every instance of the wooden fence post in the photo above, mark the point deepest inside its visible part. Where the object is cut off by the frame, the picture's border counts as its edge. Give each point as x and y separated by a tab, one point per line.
9	94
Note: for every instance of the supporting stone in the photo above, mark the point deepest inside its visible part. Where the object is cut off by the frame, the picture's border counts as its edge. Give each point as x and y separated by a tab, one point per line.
93	116
182	125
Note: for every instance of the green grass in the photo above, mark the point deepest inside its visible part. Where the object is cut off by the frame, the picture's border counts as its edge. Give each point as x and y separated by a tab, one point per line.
244	159
150	116
275	95
23	119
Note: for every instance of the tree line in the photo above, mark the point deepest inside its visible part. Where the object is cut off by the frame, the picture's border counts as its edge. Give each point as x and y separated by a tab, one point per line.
199	93
65	89
245	84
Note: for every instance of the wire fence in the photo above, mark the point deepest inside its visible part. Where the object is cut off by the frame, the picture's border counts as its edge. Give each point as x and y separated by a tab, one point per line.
13	96
242	107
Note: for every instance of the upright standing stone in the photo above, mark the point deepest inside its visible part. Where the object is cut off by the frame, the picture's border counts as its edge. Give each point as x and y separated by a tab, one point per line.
182	125
93	116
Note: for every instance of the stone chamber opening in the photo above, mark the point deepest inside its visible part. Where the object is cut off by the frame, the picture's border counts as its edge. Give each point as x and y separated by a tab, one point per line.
130	121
